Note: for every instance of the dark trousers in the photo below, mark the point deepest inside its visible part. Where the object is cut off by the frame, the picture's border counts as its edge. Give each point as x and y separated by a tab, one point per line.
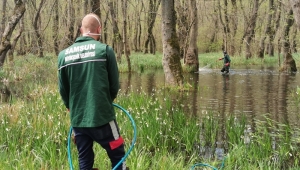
107	136
225	68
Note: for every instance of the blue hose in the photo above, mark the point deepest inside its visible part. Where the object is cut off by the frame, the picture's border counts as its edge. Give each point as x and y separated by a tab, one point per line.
69	149
207	165
127	153
201	164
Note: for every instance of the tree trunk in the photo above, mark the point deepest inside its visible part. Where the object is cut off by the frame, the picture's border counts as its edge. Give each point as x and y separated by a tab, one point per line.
55	27
234	23
15	40
288	61
171	59
261	51
296	10
3	19
37	29
86	7
78	20
191	58
225	24
117	38
70	22
153	7
5	44
294	40
104	29
137	27
183	27
96	9
21	50
211	45
274	29
249	31
125	43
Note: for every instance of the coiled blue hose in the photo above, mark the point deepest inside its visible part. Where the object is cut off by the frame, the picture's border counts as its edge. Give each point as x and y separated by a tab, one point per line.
202	164
207	165
127	153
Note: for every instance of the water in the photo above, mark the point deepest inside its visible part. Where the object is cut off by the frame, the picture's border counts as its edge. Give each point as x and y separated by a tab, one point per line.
253	92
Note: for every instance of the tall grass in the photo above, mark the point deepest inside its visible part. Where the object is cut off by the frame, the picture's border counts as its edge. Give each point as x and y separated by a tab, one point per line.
35	124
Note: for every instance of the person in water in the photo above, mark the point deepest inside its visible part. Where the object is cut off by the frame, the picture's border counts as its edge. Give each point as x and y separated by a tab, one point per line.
227	61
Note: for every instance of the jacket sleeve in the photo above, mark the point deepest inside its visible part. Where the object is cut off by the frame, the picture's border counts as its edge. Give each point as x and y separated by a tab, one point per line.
63	88
113	73
63	83
227	58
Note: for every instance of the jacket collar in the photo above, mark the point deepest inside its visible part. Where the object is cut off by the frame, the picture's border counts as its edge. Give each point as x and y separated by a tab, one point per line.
84	38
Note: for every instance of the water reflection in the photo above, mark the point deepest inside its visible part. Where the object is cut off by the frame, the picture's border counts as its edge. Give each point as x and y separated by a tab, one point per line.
255	93
250	92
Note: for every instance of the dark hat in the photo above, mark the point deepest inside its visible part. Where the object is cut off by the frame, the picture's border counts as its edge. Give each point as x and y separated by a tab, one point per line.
224	52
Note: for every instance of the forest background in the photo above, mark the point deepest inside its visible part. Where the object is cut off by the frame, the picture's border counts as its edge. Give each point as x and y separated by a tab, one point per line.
255	28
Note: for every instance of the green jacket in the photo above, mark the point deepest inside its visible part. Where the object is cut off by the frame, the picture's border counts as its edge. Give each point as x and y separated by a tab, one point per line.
226	59
88	82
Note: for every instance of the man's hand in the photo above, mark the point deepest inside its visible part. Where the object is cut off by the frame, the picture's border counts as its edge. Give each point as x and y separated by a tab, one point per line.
227	64
74	140
220	58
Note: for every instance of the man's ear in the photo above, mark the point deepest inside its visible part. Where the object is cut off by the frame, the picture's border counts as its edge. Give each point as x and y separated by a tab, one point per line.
81	31
99	30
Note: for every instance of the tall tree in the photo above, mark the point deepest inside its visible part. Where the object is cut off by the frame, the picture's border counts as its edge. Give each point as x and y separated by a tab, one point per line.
261	50
288	61
171	59
293	40
225	24
3	17
95	4
296	10
249	28
55	27
86	6
117	38
234	27
5	44
125	40
153	8
183	26
37	28
15	39
70	22
191	58
137	25
274	27
96	7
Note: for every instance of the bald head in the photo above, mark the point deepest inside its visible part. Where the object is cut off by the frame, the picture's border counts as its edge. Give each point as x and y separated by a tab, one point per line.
91	26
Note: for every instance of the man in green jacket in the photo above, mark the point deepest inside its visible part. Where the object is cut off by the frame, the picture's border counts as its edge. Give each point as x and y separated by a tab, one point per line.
88	84
227	61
